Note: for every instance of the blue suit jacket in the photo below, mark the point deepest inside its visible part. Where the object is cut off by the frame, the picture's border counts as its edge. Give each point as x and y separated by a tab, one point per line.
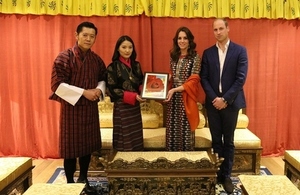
233	77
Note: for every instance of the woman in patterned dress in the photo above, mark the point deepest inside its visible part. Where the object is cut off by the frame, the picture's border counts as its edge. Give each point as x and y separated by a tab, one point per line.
124	81
182	111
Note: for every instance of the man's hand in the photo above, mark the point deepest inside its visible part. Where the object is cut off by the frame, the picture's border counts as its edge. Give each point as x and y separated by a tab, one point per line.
219	103
92	94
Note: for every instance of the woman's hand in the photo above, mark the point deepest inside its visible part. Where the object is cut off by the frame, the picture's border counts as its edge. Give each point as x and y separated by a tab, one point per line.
172	91
139	98
170	94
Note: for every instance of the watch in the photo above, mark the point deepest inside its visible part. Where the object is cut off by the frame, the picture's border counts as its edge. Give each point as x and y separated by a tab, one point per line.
224	100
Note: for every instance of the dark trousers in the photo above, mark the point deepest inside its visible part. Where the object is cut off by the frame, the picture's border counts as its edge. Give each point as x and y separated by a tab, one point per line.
222	124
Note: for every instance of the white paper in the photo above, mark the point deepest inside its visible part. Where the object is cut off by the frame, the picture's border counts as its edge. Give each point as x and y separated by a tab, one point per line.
69	93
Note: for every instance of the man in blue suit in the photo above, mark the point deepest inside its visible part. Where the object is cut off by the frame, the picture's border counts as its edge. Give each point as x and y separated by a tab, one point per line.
223	74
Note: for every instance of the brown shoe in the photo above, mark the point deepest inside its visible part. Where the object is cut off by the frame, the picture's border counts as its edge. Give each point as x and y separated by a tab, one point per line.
227	185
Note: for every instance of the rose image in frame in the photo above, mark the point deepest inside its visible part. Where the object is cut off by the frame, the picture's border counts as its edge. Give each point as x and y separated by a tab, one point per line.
154	84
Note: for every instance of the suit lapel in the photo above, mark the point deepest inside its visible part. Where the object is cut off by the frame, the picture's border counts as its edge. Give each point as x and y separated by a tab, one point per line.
216	58
228	55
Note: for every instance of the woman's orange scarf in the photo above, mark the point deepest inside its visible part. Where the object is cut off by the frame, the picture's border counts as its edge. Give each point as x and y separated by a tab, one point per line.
191	95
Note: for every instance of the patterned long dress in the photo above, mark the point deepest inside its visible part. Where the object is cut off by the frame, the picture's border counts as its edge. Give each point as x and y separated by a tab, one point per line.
127	118
179	136
79	124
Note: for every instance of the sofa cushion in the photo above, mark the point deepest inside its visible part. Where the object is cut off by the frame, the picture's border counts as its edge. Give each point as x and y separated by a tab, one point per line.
149	120
245	139
11	168
268	184
202	138
156	138
51	189
293	157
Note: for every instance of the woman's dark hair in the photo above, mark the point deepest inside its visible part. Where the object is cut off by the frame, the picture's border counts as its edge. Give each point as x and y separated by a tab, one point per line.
116	54
87	25
175	51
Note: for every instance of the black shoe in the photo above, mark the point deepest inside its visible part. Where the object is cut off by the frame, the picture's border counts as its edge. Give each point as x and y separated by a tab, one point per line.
220	180
227	185
88	189
81	180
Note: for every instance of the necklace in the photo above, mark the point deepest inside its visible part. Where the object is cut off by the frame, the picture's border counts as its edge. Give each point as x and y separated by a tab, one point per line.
129	73
178	71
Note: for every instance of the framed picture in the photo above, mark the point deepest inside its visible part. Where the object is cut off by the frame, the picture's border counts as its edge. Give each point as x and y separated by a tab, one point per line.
155	85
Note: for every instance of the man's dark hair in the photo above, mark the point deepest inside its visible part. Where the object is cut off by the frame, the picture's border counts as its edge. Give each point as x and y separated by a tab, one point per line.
224	20
87	25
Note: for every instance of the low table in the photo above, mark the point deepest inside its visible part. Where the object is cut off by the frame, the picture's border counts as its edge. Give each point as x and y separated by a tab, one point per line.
55	189
162	172
247	154
267	185
15	175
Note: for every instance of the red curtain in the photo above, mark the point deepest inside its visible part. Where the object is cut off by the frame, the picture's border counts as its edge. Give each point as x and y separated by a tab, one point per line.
29	44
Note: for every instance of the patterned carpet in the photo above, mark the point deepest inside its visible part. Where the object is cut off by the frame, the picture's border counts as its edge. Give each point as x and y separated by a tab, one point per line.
237	189
100	183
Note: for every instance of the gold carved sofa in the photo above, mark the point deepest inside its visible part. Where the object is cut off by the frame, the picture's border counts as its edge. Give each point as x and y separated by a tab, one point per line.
247	145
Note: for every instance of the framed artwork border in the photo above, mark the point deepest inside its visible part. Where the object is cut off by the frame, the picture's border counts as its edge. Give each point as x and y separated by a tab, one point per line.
155	85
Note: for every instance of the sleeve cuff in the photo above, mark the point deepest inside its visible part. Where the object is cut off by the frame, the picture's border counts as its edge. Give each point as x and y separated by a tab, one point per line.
129	97
69	93
102	87
140	88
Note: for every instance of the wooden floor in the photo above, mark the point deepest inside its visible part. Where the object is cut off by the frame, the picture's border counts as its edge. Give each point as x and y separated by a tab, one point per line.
44	168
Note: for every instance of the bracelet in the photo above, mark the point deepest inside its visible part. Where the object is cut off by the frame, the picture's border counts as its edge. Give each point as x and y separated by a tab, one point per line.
224	100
